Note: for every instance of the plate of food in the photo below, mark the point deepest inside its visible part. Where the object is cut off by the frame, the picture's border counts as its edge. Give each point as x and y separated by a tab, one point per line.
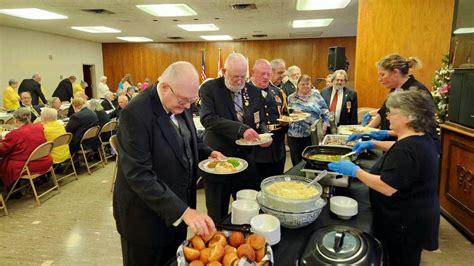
263	138
338	140
293	117
355	129
227	166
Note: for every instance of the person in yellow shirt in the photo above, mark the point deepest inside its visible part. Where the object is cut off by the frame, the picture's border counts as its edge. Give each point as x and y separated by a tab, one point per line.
79	87
53	128
11	99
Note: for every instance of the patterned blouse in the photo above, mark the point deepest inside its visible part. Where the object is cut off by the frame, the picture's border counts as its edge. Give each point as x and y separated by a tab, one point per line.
313	104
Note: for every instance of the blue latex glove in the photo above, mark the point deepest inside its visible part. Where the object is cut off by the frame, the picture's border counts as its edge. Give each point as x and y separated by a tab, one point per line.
353	137
344	167
379	135
359	147
366	119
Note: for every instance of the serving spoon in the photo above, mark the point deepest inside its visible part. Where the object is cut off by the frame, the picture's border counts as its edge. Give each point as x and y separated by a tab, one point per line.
317	178
348	154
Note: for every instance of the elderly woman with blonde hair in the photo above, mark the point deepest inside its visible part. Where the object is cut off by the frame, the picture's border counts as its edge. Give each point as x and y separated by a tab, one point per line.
54	128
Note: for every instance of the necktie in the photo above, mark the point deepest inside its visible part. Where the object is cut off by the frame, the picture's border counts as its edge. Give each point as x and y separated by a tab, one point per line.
332	108
173	119
238	106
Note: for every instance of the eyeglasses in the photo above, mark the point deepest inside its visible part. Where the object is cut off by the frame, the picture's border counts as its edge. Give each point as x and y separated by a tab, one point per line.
184	101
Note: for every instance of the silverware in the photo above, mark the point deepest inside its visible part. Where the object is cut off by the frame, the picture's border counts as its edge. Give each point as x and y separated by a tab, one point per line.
317	178
348	154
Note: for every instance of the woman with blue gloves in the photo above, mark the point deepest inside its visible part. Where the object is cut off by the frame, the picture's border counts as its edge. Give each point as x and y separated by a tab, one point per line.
404	182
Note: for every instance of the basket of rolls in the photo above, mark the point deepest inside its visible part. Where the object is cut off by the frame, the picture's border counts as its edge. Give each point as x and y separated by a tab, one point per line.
225	248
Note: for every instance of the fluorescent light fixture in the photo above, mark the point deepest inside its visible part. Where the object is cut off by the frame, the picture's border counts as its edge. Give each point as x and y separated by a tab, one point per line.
302	5
312	23
96	29
198	27
32	13
168	10
135	39
464	30
217	37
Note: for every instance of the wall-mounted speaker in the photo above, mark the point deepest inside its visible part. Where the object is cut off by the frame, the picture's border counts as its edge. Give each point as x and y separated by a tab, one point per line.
336	58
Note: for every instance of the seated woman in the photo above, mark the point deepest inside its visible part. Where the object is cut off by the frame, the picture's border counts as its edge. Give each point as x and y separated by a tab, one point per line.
54	128
18	146
404	182
308	101
95	106
79	123
56	104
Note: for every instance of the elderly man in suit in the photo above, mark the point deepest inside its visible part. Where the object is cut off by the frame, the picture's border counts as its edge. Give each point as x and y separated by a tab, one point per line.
155	191
26	101
230	110
341	100
79	123
64	90
33	86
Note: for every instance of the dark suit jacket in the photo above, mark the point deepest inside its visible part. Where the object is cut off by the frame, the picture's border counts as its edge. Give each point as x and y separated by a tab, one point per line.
33	116
218	116
107	105
78	124
64	90
347	116
34	88
153	187
288	88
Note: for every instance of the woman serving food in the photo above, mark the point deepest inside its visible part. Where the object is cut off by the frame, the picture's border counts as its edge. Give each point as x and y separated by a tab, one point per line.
404	182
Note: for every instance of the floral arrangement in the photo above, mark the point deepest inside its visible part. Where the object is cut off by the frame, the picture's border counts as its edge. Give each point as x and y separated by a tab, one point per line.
441	88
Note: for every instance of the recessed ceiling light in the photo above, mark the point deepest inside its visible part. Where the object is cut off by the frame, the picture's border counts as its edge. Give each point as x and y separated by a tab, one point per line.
198	27
135	39
168	10
32	13
464	30
96	29
302	5
216	37
312	23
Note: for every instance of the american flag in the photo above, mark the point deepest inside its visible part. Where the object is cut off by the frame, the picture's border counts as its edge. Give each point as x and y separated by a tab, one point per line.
219	65
203	66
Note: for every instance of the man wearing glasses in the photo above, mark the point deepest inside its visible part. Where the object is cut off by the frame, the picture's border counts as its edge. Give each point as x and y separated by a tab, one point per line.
155	191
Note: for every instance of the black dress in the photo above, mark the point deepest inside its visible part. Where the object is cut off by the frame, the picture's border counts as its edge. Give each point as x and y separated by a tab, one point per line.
408	221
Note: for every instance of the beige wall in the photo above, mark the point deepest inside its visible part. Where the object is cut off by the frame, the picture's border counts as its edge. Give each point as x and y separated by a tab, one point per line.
24	53
420	28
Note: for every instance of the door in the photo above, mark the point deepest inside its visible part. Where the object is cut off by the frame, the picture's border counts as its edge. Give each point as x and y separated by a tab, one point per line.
88	74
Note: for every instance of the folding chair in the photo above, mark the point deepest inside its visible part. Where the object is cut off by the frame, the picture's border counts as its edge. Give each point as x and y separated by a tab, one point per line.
61	140
90	134
114	144
3	205
40	152
109	127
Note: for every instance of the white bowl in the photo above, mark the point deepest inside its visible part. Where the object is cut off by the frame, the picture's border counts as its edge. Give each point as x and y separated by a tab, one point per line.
268	226
343	207
247	194
243	211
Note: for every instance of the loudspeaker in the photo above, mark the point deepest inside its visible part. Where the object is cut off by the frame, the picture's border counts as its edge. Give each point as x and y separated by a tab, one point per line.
461	97
336	58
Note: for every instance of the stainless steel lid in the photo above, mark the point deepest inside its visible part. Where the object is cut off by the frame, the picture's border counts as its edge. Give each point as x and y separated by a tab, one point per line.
341	245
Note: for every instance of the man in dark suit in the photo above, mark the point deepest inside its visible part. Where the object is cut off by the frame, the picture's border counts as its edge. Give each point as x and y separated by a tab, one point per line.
230	110
342	101
33	86
108	102
25	98
270	160
155	191
79	123
294	73
64	90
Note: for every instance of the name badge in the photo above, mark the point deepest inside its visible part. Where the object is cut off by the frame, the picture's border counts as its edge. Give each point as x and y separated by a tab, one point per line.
256	117
348	106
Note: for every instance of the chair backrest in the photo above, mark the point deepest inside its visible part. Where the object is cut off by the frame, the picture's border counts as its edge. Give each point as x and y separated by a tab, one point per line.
10	121
91	133
114	143
63	139
40	151
108	127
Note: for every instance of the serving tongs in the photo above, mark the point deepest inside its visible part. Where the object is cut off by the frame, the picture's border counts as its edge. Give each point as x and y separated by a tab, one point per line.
244	228
348	154
317	178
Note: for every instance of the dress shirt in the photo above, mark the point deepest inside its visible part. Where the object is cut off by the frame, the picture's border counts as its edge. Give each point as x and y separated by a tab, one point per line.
340	95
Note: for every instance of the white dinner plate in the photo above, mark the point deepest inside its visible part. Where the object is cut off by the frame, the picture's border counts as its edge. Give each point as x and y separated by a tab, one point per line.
264	138
203	165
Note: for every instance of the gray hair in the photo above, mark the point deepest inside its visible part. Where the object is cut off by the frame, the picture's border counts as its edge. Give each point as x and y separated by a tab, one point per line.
22	115
94	105
54	99
103	78
12	81
107	94
417	105
276	63
339	72
49	114
234	57
293	69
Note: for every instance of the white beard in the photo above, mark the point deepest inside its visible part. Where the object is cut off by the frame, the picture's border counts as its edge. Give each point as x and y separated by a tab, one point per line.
294	82
233	88
337	87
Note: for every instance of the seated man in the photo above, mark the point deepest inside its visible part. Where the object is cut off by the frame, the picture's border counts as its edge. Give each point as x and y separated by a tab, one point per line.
79	123
122	102
54	128
56	105
25	98
109	102
81	95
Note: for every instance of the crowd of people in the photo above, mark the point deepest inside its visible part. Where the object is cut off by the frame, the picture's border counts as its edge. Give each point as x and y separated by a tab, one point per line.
155	193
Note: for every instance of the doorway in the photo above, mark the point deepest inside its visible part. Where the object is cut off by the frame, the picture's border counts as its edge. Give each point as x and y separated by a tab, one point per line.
88	72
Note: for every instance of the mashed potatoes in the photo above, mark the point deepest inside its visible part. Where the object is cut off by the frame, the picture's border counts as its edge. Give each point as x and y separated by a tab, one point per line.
291	190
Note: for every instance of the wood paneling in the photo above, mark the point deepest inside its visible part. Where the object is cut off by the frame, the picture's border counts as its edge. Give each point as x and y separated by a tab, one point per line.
456	191
420	28
149	60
